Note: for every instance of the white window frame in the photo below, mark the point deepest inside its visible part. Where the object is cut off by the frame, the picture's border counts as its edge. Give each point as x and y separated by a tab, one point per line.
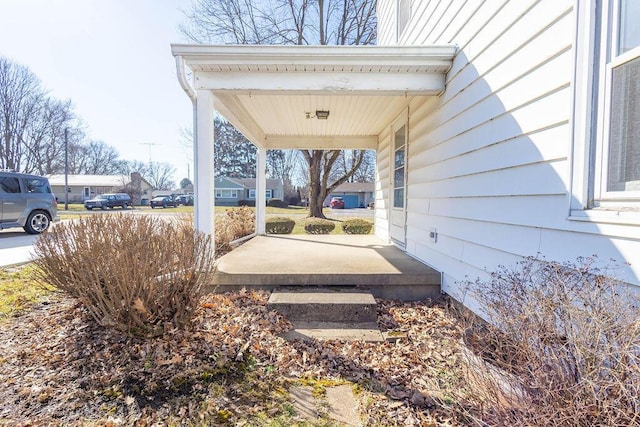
591	106
252	193
226	193
610	29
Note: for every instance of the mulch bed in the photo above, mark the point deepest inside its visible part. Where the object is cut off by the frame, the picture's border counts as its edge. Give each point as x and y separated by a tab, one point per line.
231	367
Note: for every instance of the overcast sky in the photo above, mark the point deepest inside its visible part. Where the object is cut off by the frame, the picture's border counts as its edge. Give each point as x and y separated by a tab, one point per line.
113	60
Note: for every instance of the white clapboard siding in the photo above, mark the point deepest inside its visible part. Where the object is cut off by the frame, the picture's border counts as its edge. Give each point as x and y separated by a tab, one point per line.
489	159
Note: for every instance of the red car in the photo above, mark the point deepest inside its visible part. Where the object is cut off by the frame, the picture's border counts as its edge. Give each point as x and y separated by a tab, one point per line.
336	203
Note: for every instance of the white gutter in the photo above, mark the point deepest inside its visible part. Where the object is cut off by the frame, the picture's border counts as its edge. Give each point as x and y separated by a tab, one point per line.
182	78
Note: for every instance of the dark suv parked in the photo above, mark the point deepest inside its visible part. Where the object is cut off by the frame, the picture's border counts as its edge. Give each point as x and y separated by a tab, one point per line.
110	200
26	201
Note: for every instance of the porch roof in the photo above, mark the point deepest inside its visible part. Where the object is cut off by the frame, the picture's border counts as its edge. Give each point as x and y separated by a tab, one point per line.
271	93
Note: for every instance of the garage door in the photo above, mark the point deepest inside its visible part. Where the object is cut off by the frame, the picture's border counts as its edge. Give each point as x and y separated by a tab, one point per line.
350	201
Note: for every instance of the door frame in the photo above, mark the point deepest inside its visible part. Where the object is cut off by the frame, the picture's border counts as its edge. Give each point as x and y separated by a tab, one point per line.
398	214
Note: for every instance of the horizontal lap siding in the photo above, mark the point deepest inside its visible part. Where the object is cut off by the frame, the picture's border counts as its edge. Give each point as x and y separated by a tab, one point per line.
488	160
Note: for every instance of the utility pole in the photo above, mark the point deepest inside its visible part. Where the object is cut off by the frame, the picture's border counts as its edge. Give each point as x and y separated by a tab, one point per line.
66	169
150	144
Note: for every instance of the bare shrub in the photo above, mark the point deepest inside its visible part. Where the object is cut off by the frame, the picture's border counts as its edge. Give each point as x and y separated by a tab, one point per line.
137	273
231	225
560	346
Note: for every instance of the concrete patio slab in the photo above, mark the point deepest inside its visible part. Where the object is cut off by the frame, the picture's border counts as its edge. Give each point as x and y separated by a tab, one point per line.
365	261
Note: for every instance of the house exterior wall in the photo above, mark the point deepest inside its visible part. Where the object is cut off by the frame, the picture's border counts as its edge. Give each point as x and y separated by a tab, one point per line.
490	159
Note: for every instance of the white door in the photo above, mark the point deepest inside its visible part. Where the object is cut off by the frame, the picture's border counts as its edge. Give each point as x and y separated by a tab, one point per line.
398	214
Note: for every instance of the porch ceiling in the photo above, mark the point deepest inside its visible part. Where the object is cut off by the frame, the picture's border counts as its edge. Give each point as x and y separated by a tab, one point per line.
271	93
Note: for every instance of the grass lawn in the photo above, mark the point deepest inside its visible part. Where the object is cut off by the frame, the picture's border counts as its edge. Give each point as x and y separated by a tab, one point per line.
19	291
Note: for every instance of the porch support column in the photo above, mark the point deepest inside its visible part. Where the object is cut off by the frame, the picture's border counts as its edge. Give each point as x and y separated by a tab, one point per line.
203	164
261	190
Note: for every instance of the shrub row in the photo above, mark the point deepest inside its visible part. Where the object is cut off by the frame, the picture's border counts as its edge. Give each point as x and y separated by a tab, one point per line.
357	226
275	203
282	225
279	225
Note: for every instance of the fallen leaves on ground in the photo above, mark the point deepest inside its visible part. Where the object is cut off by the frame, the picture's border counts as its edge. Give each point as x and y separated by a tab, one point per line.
231	367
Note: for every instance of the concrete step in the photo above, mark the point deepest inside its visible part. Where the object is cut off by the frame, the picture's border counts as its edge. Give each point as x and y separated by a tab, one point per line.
328	331
337	305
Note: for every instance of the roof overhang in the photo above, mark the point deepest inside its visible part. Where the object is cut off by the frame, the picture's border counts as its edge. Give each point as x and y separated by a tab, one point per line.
271	93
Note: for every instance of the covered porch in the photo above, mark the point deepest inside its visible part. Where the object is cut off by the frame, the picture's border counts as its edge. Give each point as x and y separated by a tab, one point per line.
315	98
345	261
304	97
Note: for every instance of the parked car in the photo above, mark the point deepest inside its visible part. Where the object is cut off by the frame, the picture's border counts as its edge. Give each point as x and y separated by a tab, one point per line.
163	202
336	203
26	201
109	200
185	199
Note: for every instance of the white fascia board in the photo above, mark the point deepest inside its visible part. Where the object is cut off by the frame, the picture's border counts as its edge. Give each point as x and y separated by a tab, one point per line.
287	142
385	56
231	109
245	82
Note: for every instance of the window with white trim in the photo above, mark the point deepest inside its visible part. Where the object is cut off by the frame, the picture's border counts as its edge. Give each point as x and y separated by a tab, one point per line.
399	162
226	194
252	193
617	159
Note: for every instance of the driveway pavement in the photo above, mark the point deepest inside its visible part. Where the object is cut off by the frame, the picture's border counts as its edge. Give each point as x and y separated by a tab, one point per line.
16	247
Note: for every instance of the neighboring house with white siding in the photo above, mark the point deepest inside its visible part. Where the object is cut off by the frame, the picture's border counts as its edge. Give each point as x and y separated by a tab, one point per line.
502	128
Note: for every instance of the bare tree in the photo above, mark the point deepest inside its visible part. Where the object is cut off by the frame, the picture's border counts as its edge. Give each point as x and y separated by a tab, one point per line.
283	165
347	160
160	175
299	22
32	125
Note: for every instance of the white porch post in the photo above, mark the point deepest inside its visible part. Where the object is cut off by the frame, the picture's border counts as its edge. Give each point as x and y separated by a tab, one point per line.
203	164
261	190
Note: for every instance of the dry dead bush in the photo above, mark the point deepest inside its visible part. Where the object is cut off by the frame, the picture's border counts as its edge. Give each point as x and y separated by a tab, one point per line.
560	346
231	225
138	273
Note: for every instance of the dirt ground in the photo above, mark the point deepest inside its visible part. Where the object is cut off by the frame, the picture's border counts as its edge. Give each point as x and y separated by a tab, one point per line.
231	367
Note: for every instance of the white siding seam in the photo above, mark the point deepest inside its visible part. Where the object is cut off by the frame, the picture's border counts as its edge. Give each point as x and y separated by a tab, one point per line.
444	12
497	11
487	23
508	112
493	144
453	18
465	23
499	89
418	19
470	60
486	171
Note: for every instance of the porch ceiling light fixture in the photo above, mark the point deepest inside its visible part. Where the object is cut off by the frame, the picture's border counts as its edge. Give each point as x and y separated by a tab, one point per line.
322	115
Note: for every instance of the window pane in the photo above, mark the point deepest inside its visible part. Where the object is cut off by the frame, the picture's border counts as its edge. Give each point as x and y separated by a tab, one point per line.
399	159
9	185
398	198
399	139
624	136
629	25
398	178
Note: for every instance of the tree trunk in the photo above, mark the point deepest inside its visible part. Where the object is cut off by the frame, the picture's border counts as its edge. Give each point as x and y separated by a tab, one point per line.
316	195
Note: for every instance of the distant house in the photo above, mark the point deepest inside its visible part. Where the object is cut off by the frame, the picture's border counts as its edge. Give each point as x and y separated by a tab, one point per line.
85	187
229	191
354	194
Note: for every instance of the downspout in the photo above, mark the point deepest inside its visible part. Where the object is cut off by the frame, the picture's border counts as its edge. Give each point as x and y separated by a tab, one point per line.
191	93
